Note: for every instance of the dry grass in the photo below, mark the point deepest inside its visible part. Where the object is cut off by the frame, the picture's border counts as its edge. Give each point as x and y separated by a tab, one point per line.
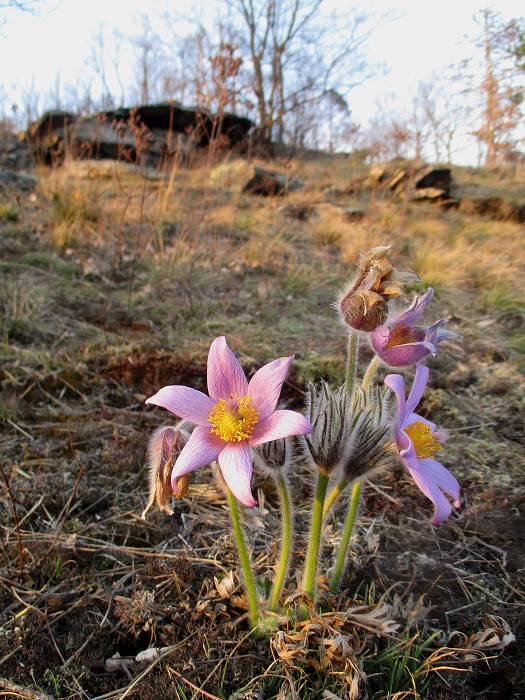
114	286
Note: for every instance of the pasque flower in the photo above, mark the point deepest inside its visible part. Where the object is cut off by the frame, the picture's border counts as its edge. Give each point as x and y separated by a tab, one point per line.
401	342
235	416
418	441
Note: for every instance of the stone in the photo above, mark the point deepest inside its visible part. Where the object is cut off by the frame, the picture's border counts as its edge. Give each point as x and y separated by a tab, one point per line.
430	177
268	183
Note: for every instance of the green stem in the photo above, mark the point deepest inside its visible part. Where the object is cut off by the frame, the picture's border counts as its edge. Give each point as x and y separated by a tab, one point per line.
336	491
312	555
371	370
345	537
286	542
249	578
351	361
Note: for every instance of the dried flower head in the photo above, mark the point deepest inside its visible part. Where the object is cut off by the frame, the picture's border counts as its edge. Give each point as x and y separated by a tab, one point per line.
363	304
165	446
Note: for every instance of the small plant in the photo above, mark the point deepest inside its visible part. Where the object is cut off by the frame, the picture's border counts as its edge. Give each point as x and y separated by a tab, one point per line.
8	213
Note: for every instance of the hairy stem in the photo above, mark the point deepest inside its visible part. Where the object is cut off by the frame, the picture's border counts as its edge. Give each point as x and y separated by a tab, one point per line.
333	495
249	578
371	370
312	555
351	361
286	541
345	537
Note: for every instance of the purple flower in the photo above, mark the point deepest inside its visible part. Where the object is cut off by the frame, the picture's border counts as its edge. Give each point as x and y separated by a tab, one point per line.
235	416
402	343
418	441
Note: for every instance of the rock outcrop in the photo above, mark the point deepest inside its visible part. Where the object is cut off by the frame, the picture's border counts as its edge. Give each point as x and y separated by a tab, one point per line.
148	134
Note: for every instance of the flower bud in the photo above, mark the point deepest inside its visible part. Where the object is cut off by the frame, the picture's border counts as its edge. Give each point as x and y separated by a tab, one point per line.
274	455
363	304
327	412
165	446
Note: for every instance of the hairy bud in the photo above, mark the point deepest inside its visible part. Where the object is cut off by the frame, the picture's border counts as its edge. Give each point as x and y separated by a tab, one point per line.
274	455
165	446
370	446
327	412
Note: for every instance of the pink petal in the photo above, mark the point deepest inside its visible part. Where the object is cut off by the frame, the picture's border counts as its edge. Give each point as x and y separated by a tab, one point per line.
202	448
425	481
406	354
418	387
185	402
380	339
412	315
235	462
266	384
397	384
279	425
436	333
443	478
225	374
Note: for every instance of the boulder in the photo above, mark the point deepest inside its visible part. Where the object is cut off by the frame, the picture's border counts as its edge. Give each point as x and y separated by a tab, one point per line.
267	183
431	177
301	212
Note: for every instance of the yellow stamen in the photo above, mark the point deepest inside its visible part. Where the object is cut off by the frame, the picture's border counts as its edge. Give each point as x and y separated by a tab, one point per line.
234	419
425	444
400	336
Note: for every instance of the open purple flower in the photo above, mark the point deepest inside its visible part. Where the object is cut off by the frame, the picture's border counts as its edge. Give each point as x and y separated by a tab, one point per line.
418	441
401	342
235	416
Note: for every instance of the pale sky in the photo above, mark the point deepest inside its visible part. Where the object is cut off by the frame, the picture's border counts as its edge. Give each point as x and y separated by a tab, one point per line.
426	37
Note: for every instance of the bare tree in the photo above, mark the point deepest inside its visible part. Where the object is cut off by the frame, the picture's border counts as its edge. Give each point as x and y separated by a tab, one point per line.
295	56
501	113
97	62
149	58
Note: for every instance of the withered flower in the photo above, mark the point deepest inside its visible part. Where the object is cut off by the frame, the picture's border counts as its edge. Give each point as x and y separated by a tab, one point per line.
165	446
363	303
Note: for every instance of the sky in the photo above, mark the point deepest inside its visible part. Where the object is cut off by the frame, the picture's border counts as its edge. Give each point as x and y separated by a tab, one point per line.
424	38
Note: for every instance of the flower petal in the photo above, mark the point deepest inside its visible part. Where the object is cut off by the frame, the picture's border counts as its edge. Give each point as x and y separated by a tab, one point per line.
412	315
418	387
266	384
406	354
380	338
436	333
201	449
396	383
185	402
279	425
424	479
235	462
443	478
225	374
